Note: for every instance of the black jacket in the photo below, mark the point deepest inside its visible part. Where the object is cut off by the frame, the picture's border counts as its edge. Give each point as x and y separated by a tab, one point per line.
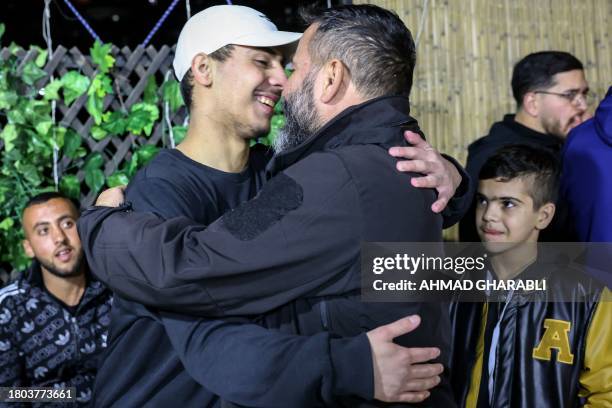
300	238
44	343
505	133
164	371
551	353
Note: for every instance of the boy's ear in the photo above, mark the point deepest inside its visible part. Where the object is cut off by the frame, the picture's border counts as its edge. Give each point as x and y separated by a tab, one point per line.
545	215
201	69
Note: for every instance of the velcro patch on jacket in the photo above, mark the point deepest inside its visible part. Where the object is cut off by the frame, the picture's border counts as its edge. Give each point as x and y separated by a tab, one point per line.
278	196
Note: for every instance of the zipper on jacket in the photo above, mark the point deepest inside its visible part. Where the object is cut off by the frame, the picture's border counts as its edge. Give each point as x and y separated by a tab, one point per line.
75	332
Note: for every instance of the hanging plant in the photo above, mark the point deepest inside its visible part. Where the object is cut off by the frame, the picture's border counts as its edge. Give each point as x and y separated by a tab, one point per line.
29	135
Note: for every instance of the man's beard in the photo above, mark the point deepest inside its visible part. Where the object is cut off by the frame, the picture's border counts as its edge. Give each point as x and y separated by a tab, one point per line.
301	117
553	127
76	270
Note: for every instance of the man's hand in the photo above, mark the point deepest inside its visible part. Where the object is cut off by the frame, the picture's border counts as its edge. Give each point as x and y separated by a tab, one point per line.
112	197
438	172
399	375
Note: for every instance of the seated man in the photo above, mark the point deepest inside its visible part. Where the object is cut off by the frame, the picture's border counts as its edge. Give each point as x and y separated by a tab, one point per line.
54	319
506	347
292	253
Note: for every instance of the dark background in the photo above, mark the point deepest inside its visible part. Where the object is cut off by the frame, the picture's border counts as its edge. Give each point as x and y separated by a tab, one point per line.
124	22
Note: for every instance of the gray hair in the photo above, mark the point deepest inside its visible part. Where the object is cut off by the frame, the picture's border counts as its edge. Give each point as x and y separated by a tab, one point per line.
373	43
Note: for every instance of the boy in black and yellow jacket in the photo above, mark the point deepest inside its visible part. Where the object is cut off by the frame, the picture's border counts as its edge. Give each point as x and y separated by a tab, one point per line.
550	348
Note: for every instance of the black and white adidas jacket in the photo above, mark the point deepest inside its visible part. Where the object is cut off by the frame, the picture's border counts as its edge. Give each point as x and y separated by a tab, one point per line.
44	342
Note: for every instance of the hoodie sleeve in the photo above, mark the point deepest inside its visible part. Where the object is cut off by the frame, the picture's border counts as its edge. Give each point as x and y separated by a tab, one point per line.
300	371
460	203
270	366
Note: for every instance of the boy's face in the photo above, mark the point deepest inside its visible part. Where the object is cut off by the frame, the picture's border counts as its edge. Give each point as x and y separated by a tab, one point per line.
246	87
505	216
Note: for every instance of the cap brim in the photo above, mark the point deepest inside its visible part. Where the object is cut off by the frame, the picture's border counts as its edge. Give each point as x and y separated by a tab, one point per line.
269	39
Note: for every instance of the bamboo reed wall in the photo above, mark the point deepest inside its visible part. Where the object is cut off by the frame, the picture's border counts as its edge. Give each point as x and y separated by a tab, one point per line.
467	49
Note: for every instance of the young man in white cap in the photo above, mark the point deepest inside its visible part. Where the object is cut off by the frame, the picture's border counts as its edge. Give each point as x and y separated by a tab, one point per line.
229	60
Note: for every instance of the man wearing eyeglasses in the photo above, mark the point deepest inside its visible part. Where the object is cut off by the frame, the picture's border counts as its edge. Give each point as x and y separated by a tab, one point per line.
551	95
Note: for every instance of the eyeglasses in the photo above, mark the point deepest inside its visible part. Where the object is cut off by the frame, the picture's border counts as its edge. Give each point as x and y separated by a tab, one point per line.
572	97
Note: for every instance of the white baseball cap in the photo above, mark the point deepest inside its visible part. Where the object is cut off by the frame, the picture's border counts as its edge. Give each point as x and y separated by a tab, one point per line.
218	26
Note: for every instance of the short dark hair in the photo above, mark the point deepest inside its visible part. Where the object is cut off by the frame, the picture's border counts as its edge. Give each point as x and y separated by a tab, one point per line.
186	84
536	71
536	164
373	43
42	198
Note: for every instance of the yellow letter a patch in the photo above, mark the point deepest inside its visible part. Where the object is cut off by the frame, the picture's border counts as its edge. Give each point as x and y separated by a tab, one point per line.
556	336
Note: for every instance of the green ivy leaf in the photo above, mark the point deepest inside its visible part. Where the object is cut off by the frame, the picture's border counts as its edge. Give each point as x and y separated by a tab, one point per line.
74	85
131	166
171	93
179	133
98	133
93	162
100	86
146	153
41	58
52	90
16	116
57	136
30	173
72	141
142	117
42	127
100	55
35	110
2	28
94	106
278	108
13	48
31	73
37	148
117	179
8	99
6	224
70	185
3	190
94	178
116	123
150	91
9	135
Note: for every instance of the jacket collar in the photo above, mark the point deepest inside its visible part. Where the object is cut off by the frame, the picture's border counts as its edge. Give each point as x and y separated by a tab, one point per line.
33	281
530	135
359	124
